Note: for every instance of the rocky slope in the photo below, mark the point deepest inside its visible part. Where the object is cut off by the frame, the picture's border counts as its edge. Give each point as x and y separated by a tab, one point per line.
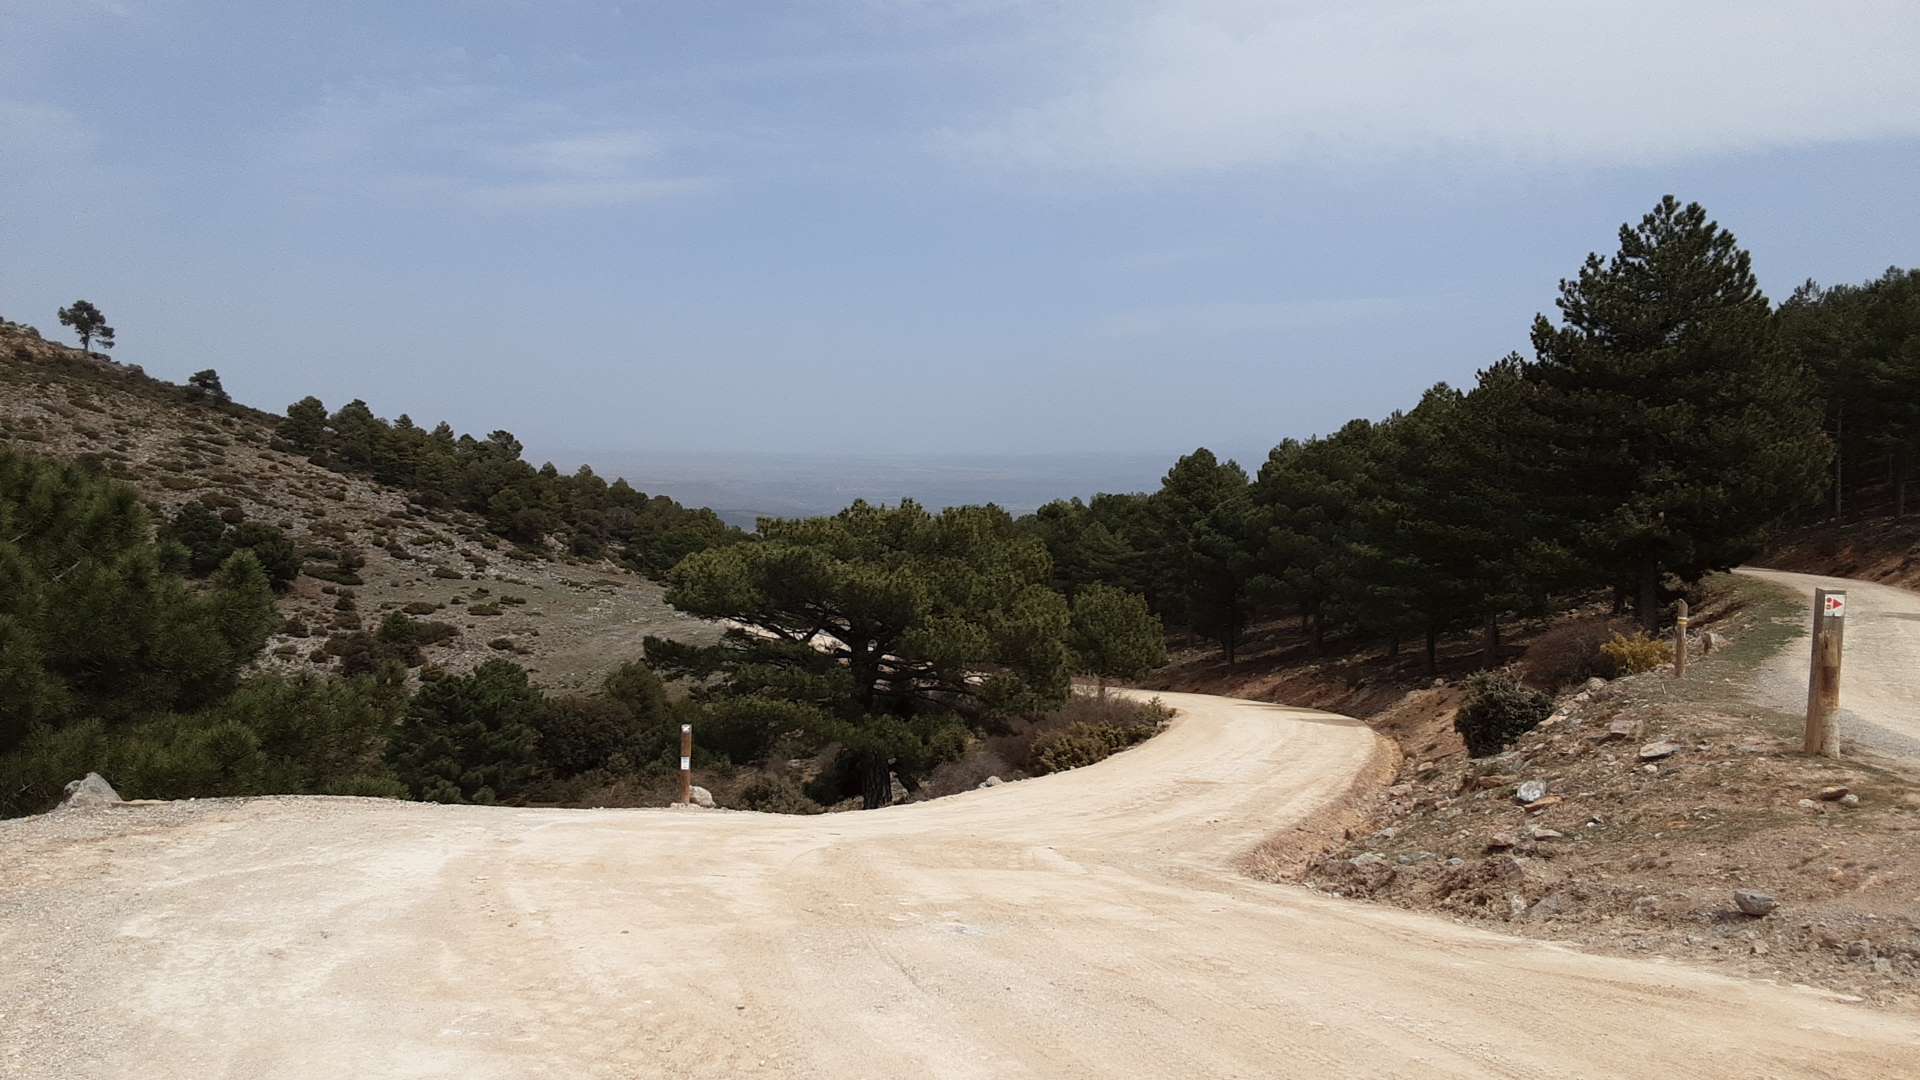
568	621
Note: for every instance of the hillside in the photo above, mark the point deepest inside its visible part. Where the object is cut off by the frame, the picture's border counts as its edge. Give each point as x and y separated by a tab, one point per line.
568	620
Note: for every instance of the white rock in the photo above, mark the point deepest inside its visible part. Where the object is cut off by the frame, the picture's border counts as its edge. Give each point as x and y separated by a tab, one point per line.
702	797
91	790
1754	903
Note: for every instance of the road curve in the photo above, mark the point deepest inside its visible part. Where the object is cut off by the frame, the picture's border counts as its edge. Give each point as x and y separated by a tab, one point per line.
1879	673
1081	925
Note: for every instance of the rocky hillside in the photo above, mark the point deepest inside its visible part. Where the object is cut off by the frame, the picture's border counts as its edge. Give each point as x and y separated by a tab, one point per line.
1655	816
368	549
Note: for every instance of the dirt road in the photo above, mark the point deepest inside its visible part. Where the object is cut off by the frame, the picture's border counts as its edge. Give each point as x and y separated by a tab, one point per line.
1082	925
1880	673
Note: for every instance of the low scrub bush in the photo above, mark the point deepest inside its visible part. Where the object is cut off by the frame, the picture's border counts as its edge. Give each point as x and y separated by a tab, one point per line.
1625	655
772	794
1568	654
1108	726
1498	709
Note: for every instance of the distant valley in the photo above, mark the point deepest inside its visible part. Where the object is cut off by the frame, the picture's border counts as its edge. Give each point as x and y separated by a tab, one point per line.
743	487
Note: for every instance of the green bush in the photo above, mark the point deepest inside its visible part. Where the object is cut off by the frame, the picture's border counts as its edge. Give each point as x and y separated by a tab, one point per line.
471	738
1084	744
1497	710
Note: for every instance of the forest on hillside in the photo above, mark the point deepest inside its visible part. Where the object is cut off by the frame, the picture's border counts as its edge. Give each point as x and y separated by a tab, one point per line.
1667	420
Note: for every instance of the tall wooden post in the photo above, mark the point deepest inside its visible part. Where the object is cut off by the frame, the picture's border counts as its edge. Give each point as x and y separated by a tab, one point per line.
686	764
1823	678
1680	643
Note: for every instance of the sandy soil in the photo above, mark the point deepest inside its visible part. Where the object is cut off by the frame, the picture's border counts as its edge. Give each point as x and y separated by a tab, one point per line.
1088	924
1879	675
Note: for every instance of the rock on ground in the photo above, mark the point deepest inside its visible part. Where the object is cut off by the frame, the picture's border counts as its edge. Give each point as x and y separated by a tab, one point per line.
91	790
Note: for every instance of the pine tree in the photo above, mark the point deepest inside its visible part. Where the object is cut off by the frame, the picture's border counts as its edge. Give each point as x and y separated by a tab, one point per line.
1681	429
88	323
1114	635
889	631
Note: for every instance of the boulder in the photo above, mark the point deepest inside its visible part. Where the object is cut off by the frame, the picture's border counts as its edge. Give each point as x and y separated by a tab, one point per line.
1596	684
1754	903
1622	727
702	797
1659	748
992	781
1501	841
91	790
1530	791
1849	800
1710	641
1835	793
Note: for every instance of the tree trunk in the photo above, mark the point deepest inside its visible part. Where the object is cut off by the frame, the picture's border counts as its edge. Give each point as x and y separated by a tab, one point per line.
1649	599
876	781
1319	634
1839	442
1102	680
1433	646
1492	641
1619	600
1393	648
1902	469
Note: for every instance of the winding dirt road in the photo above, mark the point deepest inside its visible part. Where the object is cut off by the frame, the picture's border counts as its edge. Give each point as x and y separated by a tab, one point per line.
1082	925
1879	674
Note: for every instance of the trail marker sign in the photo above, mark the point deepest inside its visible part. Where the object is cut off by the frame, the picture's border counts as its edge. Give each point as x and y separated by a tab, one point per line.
1836	605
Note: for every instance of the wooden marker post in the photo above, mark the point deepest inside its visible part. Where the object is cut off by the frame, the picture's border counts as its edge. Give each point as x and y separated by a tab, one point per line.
686	764
1823	679
1680	643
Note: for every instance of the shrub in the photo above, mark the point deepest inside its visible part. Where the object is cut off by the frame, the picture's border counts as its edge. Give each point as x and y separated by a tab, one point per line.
471	738
1632	655
1498	709
768	793
581	734
421	607
1567	654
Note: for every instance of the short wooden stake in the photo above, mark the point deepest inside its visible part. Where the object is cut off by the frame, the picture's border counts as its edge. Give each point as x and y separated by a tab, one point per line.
1680	643
686	764
1823	676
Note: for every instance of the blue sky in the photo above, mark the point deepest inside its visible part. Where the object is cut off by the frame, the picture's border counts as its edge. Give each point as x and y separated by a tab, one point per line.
912	227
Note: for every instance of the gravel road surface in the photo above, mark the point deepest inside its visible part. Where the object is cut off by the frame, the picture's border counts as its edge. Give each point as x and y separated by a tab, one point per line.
1088	924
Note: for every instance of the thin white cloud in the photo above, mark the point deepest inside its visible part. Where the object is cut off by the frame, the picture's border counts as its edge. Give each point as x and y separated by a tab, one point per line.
465	143
1163	86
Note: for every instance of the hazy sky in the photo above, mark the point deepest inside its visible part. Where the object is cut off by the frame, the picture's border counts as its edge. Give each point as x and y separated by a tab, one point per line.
916	226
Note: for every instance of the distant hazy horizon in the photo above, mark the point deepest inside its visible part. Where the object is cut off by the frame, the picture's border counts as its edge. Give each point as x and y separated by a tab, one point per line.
742	486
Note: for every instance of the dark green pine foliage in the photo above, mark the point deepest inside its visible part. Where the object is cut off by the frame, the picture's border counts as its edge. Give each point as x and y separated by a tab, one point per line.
471	738
1452	540
488	477
91	624
1862	342
1084	550
1115	636
890	632
1312	497
1680	429
1222	568
1183	574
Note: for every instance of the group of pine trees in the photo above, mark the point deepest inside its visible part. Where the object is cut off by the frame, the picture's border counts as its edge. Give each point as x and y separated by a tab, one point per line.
488	477
113	660
1665	422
